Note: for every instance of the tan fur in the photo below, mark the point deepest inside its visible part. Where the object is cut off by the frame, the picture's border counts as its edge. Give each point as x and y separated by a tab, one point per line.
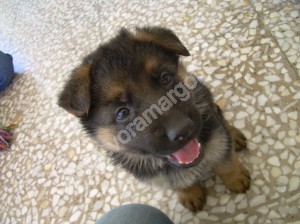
193	197
108	137
115	91
222	103
181	72
150	65
82	72
234	175
238	138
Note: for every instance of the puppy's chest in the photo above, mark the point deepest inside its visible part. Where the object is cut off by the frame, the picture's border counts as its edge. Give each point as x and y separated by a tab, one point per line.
176	179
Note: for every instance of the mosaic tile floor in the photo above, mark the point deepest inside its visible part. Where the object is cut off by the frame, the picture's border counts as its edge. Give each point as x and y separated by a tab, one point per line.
247	51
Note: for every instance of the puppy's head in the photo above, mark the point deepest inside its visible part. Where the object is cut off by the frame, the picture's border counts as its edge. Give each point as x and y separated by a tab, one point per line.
133	95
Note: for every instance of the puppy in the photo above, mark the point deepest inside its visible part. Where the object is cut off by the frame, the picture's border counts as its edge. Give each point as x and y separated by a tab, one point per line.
134	97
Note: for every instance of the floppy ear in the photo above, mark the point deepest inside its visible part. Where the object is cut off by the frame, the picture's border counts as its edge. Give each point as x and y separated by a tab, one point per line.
75	97
162	37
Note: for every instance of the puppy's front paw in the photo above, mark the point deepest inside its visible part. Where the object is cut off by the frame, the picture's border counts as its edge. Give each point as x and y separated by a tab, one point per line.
193	198
240	182
234	175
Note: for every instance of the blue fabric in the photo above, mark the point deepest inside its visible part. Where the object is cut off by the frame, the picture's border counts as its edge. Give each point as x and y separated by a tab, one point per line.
6	70
134	214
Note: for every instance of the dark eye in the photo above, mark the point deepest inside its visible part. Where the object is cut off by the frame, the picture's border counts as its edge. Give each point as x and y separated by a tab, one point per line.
122	113
166	78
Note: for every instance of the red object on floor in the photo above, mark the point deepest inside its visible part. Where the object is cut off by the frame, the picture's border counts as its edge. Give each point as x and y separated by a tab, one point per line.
6	137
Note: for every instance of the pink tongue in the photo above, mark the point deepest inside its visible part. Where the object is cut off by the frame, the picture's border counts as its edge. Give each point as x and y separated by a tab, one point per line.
188	153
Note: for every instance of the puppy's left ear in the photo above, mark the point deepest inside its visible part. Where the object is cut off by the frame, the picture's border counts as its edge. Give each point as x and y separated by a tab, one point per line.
162	37
75	97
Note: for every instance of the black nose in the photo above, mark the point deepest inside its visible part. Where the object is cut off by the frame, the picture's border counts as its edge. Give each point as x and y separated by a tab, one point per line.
178	127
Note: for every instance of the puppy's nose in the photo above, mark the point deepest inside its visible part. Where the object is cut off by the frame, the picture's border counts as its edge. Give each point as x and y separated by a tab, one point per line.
179	127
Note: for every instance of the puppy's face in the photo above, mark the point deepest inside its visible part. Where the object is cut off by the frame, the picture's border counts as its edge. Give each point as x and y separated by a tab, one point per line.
133	95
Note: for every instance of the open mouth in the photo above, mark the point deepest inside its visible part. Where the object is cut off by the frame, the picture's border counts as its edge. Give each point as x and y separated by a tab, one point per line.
187	156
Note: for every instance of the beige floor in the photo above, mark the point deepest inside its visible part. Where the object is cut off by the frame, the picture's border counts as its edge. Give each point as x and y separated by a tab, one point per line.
247	51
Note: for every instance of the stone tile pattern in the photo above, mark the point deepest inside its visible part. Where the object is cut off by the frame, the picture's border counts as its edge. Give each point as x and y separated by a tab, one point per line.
248	52
282	19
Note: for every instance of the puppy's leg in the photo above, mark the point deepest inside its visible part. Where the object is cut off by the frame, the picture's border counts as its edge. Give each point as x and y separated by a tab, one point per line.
193	197
238	138
234	175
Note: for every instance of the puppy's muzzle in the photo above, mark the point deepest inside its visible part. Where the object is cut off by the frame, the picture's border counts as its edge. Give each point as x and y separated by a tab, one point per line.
178	127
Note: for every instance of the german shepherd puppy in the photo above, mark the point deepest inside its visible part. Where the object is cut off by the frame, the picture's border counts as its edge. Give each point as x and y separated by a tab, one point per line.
159	123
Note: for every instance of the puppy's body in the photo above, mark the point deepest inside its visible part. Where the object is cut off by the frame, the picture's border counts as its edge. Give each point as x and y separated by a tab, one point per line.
118	87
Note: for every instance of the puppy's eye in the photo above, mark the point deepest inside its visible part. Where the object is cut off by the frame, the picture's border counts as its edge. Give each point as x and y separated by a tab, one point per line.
122	113
166	78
